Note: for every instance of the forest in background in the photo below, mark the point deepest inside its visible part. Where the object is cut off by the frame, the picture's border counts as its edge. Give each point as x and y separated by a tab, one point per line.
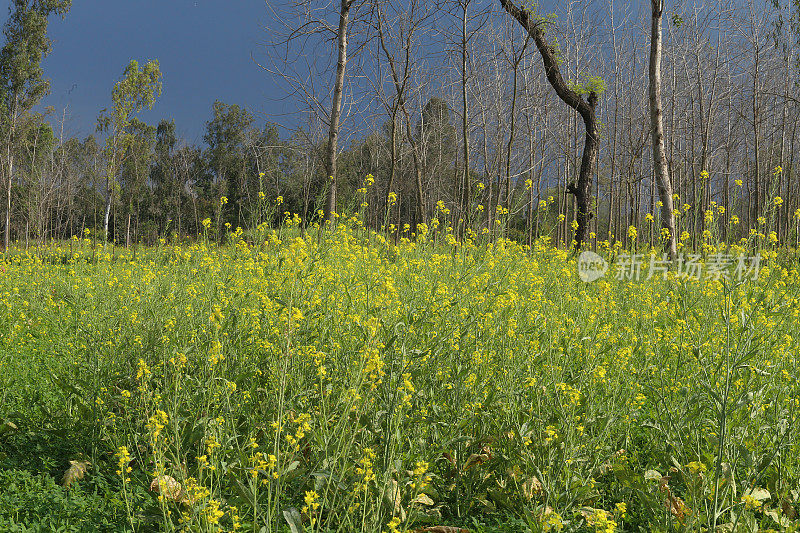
446	106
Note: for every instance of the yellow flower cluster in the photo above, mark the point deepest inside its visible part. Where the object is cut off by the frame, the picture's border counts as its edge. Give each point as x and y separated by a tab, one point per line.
123	462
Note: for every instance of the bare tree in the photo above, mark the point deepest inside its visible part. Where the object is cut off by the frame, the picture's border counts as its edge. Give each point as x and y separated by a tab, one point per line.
307	25
336	108
459	39
587	108
657	125
398	35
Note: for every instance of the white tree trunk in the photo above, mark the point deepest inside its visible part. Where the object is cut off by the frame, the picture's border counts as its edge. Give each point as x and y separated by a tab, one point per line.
107	214
336	110
657	125
10	159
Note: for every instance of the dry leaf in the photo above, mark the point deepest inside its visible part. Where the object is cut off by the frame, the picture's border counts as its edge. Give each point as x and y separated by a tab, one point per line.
677	507
449	458
168	487
605	468
75	472
532	487
674	505
476	459
788	510
395	499
423	499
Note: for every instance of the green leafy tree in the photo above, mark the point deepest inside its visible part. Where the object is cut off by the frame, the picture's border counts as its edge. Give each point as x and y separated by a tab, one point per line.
22	84
138	89
82	168
227	136
134	190
35	155
163	176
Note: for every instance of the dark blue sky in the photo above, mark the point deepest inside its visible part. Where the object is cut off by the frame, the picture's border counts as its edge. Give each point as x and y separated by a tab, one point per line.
203	48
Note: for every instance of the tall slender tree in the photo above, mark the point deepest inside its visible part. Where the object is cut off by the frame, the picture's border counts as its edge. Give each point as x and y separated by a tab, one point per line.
138	89
336	107
398	39
22	83
657	125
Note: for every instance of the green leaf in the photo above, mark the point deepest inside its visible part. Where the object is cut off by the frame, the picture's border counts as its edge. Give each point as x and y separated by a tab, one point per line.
292	466
293	518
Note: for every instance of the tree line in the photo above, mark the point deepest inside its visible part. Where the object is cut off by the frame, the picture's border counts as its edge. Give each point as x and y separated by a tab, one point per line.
599	121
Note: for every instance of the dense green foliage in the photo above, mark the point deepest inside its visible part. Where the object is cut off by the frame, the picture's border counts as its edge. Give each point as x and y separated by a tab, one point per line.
338	382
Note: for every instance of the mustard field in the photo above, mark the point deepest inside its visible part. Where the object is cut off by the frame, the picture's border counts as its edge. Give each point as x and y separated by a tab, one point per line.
340	382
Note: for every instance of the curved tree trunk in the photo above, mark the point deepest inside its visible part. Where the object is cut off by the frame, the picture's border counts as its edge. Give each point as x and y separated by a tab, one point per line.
587	108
